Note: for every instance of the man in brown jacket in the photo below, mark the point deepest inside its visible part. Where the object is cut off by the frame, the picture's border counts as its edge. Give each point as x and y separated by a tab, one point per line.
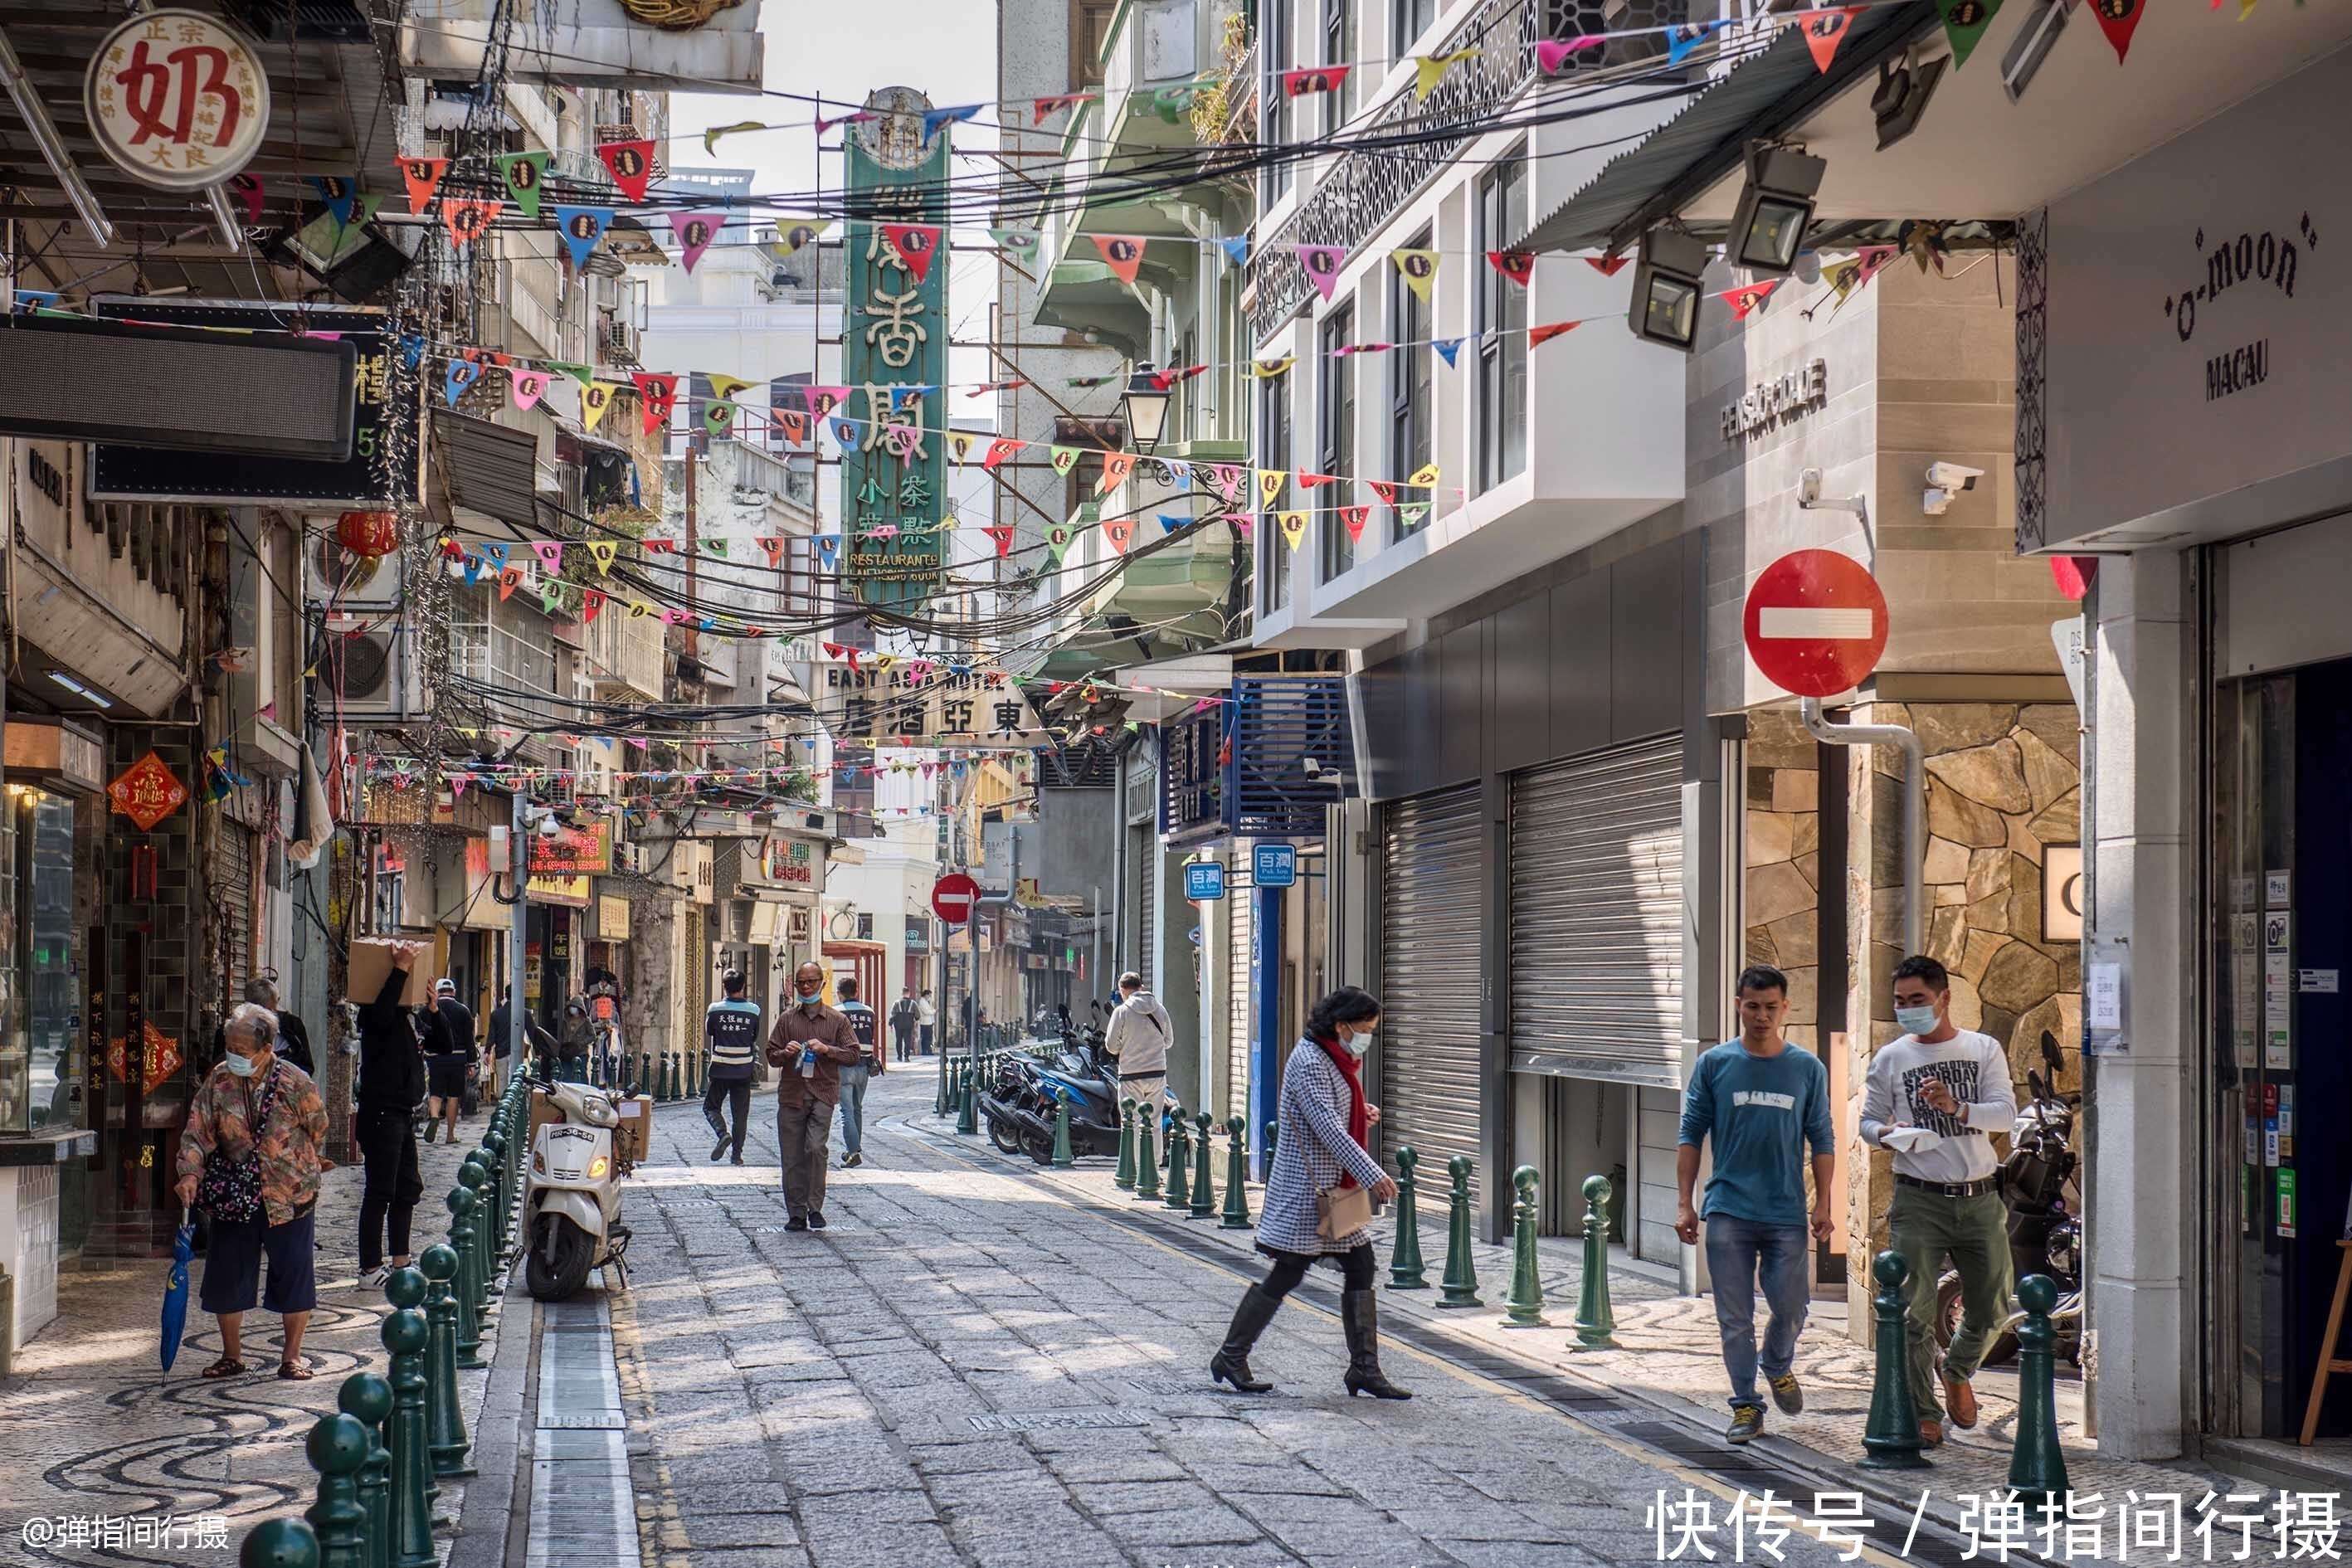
808	1048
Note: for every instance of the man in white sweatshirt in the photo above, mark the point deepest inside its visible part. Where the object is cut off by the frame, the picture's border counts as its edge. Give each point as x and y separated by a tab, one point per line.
1932	1097
1138	1037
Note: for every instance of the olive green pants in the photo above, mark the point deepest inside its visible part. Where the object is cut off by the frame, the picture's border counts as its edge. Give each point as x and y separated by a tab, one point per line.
1926	1227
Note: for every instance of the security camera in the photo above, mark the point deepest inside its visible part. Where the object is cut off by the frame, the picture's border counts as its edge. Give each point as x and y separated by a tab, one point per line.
1946	480
1314	766
549	828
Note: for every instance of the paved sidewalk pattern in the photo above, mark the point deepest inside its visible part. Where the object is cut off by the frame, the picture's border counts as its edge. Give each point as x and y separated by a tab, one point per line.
94	1435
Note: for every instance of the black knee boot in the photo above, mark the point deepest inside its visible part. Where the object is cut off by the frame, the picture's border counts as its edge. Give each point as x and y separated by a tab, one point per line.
1359	1313
1231	1363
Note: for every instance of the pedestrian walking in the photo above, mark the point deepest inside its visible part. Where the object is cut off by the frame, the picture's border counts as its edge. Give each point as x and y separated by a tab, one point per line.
904	1018
293	1037
1138	1038
927	1018
1931	1097
503	1040
1761	1101
809	1046
1319	1194
854	1074
392	1085
249	1157
730	1037
450	1053
571	1046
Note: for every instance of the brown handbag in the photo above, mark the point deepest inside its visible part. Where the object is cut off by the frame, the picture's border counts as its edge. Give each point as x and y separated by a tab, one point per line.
1342	1211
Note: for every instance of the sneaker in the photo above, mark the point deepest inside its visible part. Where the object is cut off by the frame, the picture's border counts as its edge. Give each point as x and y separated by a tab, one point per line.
816	1219
721	1148
374	1279
1788	1394
796	1223
1746	1422
851	1160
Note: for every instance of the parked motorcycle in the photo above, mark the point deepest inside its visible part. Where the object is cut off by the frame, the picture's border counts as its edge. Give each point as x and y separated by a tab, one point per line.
1019	1107
2037	1182
571	1199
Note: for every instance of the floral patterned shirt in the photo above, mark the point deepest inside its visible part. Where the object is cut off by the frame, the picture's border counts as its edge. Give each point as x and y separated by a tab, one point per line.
219	1118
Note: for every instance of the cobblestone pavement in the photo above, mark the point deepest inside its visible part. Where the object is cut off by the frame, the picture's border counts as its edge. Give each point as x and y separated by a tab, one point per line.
978	1365
91	1430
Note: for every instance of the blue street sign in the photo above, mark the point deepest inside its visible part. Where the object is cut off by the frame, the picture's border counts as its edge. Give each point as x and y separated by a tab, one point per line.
1275	864
1204	880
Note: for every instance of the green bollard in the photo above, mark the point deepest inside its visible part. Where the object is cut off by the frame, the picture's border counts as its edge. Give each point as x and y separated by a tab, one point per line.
2036	1468
1204	1188
1523	1303
1237	1214
279	1543
1271	1129
1460	1286
1147	1159
481	1219
1179	1159
367	1396
1124	1177
406	1335
1891	1434
967	1109
940	1090
445	1423
463	1289
338	1448
1063	1159
1596	1325
1405	1269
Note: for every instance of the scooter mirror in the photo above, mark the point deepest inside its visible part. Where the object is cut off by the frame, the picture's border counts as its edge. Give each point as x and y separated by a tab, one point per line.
2050	1054
2033	1081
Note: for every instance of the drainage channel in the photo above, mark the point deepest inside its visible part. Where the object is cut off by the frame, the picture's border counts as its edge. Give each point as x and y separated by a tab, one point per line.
583	1511
1912	1536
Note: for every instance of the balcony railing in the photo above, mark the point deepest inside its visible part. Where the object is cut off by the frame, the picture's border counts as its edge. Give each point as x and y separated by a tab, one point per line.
625	652
1364	191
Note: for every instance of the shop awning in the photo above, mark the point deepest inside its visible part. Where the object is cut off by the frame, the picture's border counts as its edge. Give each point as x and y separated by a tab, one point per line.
489	468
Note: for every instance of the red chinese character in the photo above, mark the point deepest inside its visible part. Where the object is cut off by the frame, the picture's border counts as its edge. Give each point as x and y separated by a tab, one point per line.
203	72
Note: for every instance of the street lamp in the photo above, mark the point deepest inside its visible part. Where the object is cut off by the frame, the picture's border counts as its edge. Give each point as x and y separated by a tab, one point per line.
1767	228
1144	405
1665	288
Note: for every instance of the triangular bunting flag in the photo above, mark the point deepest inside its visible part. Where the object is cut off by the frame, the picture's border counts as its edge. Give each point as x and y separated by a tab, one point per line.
1321	264
1428	70
1314	481
1538	336
468	221
1058	540
915	245
1021	244
1294	528
772	547
828	549
1000	450
1169	522
1518	266
798	232
2116	18
525	173
1425	477
1267	369
935	117
1065	459
594	398
631	164
1116	466
1270	482
1352	518
581	227
1608	266
1000	534
1965	22
526	386
1313	78
718	415
824	400
1236	250
1681	40
463	373
508	581
794	426
591	604
1122	253
725	386
1825	30
602	550
694	232
423	177
657	395
1748	295
1412	513
1120	531
341	195
550	553
1446	349
1553	53
1419	270
581	373
1045	107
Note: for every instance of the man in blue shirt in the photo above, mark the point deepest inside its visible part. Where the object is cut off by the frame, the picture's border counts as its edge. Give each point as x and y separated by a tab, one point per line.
1762	1100
730	1033
853	1075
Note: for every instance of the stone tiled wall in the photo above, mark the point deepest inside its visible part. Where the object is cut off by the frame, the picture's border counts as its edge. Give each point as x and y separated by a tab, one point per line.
1784	864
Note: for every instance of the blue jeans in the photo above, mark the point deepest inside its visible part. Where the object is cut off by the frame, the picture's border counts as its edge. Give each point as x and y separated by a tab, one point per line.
1740	1252
853	1109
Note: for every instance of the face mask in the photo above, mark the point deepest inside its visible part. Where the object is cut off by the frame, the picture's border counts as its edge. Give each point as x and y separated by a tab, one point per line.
1358	1043
244	1067
1916	1020
809	998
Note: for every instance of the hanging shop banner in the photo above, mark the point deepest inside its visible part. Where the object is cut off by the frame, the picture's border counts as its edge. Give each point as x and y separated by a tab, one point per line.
177	99
896	336
574	852
937	708
387	456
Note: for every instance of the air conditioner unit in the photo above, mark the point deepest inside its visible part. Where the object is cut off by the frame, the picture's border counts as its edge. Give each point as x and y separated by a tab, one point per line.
342	577
368	674
621	342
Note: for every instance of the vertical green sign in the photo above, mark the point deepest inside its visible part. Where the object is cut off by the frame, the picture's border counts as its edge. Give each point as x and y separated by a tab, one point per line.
894	336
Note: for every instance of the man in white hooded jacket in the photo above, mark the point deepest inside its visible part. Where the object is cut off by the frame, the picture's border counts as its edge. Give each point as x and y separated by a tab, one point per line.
1137	1038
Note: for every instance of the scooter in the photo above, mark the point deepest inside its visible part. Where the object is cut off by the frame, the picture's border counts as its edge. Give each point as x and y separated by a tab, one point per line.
2037	1182
572	1200
1020	1105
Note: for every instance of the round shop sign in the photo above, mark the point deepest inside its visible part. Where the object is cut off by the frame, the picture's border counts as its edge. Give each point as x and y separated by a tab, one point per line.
177	99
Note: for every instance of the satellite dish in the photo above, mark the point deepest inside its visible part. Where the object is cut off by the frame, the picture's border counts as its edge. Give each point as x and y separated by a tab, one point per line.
1809	267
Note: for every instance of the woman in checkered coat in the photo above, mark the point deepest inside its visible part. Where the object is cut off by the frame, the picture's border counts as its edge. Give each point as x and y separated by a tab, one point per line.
1323	1125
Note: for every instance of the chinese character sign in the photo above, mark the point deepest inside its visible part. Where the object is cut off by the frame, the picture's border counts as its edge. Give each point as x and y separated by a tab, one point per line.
979	710
177	99
894	353
148	792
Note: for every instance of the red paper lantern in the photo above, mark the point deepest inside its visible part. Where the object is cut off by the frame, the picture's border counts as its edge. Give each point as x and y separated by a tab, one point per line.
368	533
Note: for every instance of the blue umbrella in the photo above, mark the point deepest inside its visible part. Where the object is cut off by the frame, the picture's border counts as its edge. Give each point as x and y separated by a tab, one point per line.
176	1293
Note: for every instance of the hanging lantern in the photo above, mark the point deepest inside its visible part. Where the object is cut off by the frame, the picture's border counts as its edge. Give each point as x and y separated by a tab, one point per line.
368	533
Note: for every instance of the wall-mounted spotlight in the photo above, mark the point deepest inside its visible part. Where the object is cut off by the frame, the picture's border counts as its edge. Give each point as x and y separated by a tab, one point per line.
1904	89
2031	46
1667	289
1768	227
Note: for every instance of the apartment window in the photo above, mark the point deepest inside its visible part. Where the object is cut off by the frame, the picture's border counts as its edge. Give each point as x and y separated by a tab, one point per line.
1338	43
1502	326
1274	107
1336	450
1410	19
1089	30
1410	395
1275	450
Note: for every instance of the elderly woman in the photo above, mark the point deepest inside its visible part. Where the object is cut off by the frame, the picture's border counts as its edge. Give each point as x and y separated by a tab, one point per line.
250	1158
1319	1155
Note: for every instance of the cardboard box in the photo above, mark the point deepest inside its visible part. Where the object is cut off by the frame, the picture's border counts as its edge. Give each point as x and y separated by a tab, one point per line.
633	1139
372	960
542	1111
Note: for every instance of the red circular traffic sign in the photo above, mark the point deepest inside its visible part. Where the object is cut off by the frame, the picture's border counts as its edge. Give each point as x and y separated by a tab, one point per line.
1816	623
953	897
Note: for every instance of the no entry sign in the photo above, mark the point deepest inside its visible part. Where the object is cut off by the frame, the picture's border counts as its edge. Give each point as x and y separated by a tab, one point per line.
1816	623
954	897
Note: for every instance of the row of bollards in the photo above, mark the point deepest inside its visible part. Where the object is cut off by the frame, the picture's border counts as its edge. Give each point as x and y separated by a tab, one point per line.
381	1458
664	1076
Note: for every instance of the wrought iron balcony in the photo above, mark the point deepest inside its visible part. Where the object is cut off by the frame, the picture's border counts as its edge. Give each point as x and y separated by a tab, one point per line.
1365	190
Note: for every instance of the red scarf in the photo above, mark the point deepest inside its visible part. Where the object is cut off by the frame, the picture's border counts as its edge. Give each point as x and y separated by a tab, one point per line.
1359	1121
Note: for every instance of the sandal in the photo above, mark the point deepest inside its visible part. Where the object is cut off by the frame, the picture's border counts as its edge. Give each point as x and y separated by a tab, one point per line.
225	1367
295	1372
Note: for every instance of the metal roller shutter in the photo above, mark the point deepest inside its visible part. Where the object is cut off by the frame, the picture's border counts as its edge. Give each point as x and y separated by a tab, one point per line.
1596	910
1430	892
1241	1017
232	892
1140	872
